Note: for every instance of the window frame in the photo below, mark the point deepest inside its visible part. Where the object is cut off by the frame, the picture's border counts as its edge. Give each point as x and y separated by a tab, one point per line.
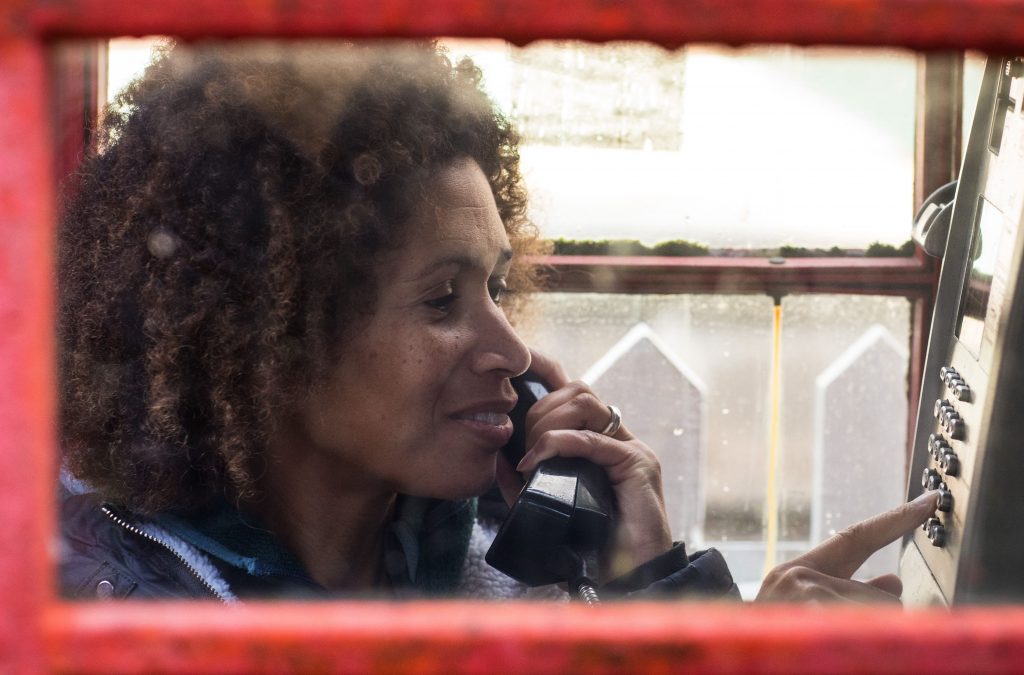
39	632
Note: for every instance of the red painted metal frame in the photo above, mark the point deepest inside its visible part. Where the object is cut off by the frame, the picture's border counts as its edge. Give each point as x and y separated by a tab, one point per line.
500	638
38	632
919	24
78	78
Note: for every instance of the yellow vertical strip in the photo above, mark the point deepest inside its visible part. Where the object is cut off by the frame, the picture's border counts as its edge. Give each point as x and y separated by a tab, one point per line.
771	506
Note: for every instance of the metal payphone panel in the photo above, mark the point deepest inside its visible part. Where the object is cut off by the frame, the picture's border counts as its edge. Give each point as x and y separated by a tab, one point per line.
971	413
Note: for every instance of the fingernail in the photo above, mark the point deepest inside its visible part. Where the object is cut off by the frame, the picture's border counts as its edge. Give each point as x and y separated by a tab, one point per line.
523	463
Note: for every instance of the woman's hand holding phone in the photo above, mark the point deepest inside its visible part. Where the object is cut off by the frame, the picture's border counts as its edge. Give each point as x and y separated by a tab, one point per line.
568	423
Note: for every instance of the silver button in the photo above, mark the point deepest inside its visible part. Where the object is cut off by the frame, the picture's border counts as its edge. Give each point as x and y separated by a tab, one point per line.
945	503
955	425
950	464
104	590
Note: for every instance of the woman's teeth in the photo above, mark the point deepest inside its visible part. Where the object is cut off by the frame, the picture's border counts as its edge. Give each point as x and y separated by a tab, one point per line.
494	419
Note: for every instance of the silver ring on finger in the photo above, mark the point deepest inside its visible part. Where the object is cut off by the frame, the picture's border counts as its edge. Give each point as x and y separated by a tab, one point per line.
614	423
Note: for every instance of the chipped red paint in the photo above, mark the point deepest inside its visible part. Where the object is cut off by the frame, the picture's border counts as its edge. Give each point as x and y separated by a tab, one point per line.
38	633
488	638
26	370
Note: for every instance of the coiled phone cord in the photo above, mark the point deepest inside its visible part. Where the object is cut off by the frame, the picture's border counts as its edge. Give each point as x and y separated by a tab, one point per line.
576	568
587	593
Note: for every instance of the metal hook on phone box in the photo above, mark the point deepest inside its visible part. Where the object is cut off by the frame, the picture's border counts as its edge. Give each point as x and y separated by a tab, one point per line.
931	223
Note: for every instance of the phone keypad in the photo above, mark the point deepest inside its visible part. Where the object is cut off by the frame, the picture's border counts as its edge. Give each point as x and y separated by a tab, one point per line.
946	463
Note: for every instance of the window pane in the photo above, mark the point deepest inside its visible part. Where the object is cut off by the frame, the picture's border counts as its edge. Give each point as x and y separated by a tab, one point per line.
126	59
734	148
692	374
844	411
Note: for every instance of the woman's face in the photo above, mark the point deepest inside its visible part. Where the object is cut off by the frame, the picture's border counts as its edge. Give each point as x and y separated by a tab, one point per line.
420	396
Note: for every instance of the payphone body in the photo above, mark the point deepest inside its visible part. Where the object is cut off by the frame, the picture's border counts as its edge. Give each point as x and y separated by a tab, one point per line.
969	438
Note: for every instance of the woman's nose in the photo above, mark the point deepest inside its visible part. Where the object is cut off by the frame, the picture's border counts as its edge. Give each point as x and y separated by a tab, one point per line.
500	347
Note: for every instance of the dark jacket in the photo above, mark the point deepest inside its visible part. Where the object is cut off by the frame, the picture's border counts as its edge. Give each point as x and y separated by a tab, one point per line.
108	553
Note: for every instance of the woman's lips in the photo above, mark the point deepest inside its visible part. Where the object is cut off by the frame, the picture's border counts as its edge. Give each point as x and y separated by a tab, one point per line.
494	428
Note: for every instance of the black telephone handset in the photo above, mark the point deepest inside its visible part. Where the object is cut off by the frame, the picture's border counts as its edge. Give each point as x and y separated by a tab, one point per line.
560	522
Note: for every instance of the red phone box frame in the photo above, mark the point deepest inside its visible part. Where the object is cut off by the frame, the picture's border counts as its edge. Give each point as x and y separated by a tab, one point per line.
39	632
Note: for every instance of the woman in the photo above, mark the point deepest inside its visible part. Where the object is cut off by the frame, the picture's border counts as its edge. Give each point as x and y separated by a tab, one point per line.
285	357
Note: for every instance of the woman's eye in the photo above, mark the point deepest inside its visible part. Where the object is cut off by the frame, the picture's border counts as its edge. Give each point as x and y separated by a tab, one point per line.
444	302
498	290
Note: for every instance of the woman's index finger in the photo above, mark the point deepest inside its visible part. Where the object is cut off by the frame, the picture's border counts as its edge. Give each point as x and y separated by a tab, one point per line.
844	553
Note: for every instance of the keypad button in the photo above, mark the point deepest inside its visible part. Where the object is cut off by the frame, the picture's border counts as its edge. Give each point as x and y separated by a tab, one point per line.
942	406
945	502
937	446
963	392
950	464
956	429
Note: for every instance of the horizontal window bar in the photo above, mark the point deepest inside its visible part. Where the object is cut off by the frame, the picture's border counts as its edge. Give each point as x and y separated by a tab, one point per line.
909	277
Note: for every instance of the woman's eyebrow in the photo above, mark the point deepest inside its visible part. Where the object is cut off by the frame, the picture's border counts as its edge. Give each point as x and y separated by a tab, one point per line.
460	261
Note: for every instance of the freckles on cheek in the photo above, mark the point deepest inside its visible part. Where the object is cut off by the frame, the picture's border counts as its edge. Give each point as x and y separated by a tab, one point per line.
432	350
424	351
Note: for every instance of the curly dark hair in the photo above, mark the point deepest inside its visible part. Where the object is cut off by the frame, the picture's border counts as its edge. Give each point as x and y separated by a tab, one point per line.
224	239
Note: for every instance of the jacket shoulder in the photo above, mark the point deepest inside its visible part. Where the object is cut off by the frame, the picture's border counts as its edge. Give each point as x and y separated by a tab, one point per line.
101	558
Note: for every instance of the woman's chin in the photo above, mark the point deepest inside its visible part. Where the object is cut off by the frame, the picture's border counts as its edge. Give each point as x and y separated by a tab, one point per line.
463	486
